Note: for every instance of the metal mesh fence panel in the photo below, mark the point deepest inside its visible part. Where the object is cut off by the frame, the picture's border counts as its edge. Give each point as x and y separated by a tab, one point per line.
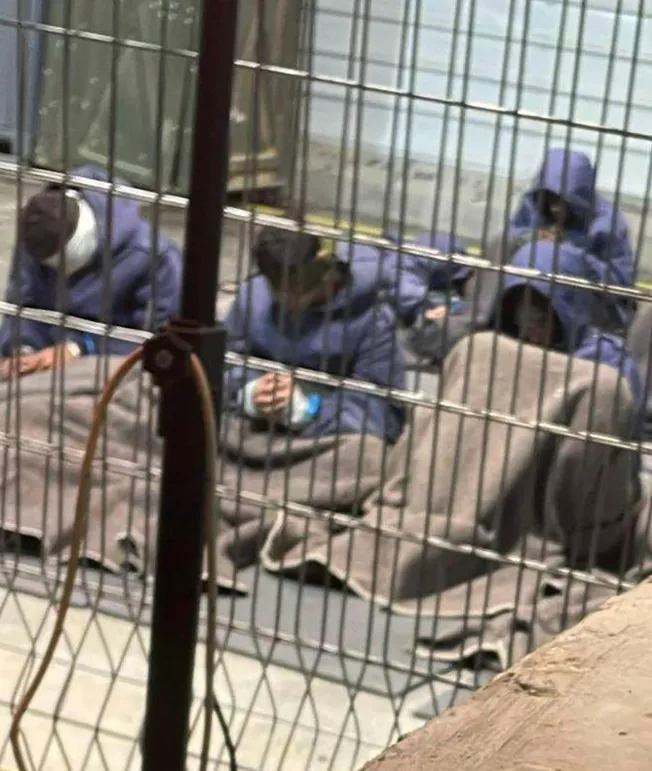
450	466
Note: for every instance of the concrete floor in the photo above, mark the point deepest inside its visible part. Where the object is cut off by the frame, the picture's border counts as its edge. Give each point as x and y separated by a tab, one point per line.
96	688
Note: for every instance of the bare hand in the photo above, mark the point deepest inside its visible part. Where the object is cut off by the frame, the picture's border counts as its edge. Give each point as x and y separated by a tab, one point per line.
272	393
436	313
548	234
39	361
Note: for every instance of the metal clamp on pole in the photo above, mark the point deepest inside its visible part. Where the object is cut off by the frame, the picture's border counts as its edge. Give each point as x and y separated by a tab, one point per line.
167	359
182	501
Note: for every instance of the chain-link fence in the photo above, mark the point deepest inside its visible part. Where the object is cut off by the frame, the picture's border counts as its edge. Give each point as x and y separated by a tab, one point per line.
448	466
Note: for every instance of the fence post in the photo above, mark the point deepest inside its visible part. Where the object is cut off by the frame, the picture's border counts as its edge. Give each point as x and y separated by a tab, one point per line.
180	530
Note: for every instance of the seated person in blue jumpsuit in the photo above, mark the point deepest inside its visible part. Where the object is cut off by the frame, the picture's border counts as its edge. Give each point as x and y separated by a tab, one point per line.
307	308
561	317
544	313
69	231
563	205
409	282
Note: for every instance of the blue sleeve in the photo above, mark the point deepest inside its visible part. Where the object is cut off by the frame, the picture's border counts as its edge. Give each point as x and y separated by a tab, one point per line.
239	341
380	360
21	290
610	350
610	259
151	309
15	333
409	277
611	256
155	304
92	344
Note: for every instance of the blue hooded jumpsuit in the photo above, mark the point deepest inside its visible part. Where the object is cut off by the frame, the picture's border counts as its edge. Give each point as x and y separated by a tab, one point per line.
596	227
574	309
353	335
133	297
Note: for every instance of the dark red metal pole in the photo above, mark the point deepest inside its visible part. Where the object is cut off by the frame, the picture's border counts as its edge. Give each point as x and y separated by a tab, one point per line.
180	531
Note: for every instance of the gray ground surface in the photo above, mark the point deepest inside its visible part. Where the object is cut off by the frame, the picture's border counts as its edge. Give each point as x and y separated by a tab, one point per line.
281	719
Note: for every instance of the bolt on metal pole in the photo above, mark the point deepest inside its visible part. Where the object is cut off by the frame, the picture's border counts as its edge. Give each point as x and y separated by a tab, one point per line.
180	531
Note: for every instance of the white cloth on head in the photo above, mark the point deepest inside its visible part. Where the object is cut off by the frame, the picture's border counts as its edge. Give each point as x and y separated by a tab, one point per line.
84	242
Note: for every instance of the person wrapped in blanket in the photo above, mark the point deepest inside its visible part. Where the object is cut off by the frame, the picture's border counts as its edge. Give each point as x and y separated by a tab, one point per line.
307	308
543	493
65	238
560	318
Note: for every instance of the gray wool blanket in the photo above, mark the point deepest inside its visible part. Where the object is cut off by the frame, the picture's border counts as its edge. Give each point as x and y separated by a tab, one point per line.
414	528
639	340
257	471
460	488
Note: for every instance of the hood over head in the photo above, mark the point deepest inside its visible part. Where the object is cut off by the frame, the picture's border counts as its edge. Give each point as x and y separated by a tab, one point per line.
359	289
573	306
570	175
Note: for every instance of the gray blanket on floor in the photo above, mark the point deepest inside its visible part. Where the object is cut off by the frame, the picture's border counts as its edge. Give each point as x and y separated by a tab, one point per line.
414	528
461	487
39	488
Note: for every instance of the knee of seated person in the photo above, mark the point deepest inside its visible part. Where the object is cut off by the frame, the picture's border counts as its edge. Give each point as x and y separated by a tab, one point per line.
461	349
479	344
609	381
615	395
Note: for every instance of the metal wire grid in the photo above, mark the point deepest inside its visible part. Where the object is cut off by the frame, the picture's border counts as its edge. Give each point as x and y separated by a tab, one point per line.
300	730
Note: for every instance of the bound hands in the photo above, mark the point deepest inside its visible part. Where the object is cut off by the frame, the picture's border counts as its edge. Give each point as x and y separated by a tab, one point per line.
272	393
37	361
551	233
435	313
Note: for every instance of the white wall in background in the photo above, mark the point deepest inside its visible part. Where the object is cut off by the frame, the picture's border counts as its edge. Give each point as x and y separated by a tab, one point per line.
496	52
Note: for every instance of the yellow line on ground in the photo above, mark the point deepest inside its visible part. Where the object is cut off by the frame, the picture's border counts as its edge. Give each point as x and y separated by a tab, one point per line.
373	230
329	222
321	219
